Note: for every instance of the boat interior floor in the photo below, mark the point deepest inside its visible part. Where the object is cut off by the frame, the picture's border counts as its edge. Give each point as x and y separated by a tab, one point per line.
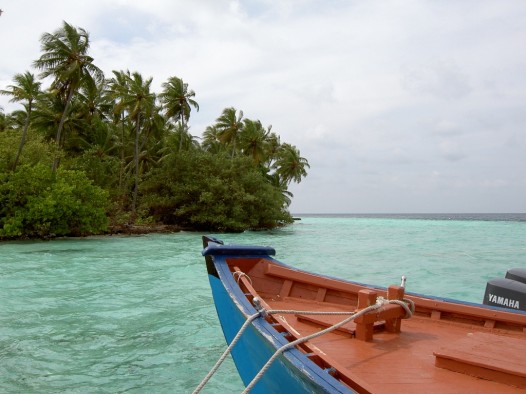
442	346
420	358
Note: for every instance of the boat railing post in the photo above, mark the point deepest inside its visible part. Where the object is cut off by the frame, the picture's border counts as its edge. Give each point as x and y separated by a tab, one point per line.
394	293
364	329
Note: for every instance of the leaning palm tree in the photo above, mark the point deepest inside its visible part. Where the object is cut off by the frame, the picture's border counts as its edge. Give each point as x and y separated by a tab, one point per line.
289	164
230	124
65	58
178	101
280	185
26	89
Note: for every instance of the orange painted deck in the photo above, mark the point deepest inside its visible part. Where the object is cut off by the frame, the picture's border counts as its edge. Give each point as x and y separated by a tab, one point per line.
444	348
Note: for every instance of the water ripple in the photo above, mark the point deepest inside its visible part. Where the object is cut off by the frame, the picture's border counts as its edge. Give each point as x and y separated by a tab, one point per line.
135	314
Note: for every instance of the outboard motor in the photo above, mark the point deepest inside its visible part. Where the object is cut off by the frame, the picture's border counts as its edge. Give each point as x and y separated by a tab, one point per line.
518	274
508	292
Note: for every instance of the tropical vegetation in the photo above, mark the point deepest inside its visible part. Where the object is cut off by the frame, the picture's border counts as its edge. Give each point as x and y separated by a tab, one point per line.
90	152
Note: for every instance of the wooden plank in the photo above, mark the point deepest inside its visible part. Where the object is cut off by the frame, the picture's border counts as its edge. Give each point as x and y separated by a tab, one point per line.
330	320
320	297
476	312
436	307
486	356
285	289
316	280
435	315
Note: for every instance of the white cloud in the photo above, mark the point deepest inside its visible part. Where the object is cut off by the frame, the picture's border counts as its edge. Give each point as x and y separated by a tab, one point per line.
398	106
440	79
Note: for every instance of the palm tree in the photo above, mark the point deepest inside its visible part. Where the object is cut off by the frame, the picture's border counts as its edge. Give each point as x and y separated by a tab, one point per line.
289	165
12	121
26	89
183	139
95	104
253	140
230	124
273	146
47	114
2	120
211	142
134	96
117	88
178	102
280	185
153	131
66	59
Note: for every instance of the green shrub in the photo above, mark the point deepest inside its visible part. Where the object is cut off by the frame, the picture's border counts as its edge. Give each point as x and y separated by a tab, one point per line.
34	202
36	150
213	192
101	169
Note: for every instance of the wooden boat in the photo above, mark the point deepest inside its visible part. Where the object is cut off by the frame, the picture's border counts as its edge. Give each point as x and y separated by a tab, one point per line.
446	346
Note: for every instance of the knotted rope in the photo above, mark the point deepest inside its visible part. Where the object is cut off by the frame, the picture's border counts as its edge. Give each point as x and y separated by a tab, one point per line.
380	301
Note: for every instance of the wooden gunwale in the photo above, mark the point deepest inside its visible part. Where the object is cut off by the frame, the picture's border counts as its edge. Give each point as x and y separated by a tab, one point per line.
356	363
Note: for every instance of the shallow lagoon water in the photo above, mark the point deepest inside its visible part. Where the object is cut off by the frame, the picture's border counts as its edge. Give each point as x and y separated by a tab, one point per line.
135	314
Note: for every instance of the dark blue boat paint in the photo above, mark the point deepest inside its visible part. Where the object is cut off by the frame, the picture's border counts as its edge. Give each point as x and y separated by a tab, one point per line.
292	372
214	249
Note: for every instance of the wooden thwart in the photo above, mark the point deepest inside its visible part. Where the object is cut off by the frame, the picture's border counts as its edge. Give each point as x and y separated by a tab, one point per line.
326	321
485	356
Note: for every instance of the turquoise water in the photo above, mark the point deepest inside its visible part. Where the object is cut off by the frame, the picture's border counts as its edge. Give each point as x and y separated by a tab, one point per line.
134	314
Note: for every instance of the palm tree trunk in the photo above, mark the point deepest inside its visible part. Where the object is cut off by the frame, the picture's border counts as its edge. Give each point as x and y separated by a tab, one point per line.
233	149
23	139
182	129
58	139
121	171
136	160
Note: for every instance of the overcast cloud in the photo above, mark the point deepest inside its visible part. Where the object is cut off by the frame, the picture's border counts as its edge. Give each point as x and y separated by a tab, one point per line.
399	106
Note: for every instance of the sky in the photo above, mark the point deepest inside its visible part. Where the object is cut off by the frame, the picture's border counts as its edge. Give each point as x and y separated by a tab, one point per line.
409	106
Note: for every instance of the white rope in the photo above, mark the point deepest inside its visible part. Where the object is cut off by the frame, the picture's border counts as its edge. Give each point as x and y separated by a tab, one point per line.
380	301
304	339
238	275
409	309
250	319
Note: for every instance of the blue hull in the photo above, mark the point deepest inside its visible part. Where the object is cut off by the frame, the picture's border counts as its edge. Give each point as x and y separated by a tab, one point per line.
292	372
295	371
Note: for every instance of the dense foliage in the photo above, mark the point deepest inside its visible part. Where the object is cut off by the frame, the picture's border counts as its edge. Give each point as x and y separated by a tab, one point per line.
90	150
223	194
34	202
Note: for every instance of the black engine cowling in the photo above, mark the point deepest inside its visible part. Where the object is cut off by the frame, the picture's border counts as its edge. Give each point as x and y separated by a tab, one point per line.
509	292
518	274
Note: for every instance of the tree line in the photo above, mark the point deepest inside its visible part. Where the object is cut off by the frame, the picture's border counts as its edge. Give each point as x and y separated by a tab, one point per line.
91	151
